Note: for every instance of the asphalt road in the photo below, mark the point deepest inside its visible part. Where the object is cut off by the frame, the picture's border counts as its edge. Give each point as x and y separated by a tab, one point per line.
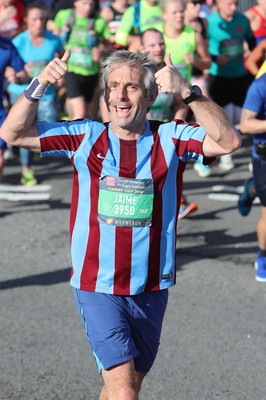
214	337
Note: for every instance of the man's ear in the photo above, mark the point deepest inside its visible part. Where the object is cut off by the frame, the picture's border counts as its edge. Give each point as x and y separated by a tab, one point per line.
105	96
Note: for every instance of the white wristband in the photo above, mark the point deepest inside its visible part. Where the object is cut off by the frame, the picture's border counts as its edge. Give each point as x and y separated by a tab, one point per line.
35	91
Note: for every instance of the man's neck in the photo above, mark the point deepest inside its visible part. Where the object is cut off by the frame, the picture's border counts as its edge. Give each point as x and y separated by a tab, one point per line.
126	134
225	17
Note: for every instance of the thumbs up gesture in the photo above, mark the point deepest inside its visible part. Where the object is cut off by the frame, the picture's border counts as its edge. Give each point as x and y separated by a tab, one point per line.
55	70
169	79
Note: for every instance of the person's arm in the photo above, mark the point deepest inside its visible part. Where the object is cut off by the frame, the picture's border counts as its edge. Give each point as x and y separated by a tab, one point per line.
256	57
20	77
204	60
7	13
249	123
19	128
122	36
221	136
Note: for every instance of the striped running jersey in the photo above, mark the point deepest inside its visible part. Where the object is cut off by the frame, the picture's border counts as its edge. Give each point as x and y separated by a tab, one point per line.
125	201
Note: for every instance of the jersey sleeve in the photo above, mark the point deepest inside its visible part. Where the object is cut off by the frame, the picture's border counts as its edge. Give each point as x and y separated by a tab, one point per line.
188	139
63	139
60	139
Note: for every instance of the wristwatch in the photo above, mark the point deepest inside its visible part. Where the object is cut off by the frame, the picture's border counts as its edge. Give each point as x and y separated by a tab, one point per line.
195	94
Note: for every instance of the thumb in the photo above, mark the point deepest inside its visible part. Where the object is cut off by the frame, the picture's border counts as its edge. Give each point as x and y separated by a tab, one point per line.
168	60
66	56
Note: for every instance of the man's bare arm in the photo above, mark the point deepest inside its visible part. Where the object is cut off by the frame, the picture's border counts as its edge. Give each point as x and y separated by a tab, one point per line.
249	123
222	137
19	128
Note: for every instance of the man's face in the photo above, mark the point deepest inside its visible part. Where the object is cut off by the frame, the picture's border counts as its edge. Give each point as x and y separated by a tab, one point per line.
174	14
227	8
153	42
126	99
84	8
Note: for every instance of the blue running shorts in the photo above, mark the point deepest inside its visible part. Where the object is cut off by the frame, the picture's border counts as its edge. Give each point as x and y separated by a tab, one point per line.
122	328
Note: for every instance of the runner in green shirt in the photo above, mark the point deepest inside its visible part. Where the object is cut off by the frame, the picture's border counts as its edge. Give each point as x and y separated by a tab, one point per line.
142	15
86	35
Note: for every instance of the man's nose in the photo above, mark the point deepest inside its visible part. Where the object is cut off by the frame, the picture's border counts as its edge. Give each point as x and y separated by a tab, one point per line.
122	92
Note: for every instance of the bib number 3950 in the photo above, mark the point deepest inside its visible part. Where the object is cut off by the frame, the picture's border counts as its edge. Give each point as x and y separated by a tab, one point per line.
125	201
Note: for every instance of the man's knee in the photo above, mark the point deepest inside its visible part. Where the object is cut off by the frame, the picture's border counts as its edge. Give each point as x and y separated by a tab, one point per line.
119	393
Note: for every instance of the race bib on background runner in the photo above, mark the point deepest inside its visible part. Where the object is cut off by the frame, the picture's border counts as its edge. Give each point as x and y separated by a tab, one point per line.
81	56
125	202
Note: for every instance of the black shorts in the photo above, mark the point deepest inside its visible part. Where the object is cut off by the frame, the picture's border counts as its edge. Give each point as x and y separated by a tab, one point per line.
259	173
80	85
228	90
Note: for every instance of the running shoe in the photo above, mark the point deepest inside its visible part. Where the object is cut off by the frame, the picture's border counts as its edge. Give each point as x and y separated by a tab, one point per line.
260	266
28	178
226	163
186	208
203	170
247	197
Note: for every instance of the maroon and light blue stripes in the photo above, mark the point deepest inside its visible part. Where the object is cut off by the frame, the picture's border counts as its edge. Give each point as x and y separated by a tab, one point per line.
115	259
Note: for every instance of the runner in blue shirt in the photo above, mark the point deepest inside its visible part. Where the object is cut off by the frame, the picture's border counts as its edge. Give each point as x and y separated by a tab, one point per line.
9	57
253	121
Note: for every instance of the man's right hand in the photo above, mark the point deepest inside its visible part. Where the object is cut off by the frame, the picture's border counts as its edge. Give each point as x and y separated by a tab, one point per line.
55	70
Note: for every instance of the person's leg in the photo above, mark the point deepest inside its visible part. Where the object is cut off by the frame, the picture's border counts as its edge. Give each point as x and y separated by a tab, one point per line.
247	197
124	334
93	104
259	166
81	91
107	326
3	147
121	383
78	107
260	263
261	231
2	161
25	158
27	176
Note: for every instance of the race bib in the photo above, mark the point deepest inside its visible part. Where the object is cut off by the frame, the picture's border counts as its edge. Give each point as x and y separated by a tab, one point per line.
125	202
34	67
232	48
81	57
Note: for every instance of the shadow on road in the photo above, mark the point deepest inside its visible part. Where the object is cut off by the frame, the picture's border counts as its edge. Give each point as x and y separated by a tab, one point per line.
44	279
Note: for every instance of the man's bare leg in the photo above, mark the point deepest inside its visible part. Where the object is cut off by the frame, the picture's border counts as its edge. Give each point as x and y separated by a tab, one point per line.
121	382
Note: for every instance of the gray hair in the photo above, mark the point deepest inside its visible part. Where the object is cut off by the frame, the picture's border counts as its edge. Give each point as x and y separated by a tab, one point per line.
132	60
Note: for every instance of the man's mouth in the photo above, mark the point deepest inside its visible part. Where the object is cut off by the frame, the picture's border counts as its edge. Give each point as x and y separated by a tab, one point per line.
122	110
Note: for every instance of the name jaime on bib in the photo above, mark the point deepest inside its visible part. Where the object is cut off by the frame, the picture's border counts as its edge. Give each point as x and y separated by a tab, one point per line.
125	201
